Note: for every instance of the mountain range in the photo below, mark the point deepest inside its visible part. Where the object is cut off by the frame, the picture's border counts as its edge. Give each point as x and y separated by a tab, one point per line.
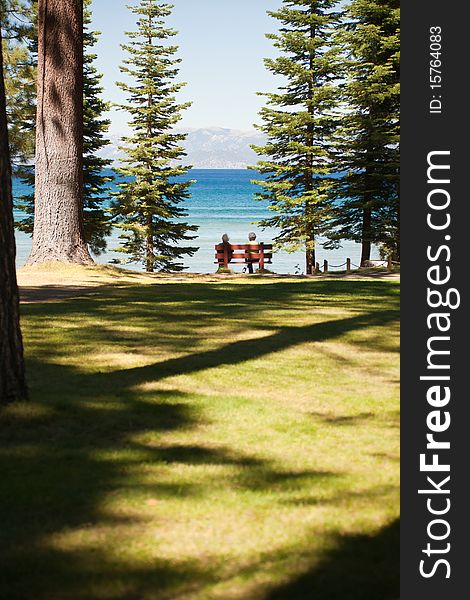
208	148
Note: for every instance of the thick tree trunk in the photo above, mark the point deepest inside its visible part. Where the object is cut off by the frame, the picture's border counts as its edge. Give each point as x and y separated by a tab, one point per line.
12	376
58	215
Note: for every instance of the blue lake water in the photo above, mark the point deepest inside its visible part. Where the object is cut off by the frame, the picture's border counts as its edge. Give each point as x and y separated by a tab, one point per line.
221	202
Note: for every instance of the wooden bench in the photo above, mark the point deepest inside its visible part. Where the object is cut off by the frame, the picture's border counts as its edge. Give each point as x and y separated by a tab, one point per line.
226	253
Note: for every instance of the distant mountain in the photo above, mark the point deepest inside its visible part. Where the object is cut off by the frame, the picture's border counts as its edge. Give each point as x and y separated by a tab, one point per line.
209	148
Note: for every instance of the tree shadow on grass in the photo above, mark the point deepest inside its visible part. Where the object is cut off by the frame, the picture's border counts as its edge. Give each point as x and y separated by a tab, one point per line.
56	293
61	464
78	444
197	303
351	420
360	567
239	352
176	317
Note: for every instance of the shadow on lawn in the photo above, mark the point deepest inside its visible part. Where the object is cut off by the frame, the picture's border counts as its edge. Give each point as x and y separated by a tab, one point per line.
58	468
74	447
360	567
343	419
180	317
239	352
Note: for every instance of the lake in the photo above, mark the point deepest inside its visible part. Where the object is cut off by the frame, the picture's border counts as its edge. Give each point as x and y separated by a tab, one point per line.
221	202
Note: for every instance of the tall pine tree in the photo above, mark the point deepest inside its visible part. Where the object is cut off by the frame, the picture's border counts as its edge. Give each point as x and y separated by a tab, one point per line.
12	373
97	221
299	121
369	151
58	203
148	205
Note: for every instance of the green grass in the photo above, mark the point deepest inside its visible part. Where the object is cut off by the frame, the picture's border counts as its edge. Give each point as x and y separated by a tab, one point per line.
206	440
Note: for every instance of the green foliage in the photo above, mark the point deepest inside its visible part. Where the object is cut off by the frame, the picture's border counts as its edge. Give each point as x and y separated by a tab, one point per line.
97	221
19	28
339	111
299	121
148	204
368	150
18	20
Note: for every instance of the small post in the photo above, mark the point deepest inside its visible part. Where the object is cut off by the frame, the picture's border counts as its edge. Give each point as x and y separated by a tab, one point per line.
317	268
390	264
348	265
325	266
261	258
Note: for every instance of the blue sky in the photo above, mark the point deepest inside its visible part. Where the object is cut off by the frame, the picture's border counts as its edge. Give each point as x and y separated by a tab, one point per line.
222	45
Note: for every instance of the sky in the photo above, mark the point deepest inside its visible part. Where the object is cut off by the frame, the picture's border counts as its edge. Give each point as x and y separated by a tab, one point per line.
222	46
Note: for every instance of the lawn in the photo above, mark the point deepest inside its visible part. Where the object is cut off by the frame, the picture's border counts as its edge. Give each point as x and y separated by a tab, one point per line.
203	438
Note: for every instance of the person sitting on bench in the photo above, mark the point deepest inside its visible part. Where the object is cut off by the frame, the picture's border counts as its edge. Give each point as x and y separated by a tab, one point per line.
227	249
251	249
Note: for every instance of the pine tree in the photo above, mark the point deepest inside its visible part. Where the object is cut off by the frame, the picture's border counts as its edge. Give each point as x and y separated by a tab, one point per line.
369	152
58	206
97	221
148	202
299	121
12	373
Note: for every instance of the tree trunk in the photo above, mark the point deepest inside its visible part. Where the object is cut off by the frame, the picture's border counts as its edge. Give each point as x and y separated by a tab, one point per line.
12	376
310	261
366	235
58	212
396	254
150	249
310	254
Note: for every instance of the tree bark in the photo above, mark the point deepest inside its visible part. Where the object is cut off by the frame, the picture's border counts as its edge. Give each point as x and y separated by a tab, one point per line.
366	235
58	214
150	246
310	262
12	374
396	254
310	254
150	249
